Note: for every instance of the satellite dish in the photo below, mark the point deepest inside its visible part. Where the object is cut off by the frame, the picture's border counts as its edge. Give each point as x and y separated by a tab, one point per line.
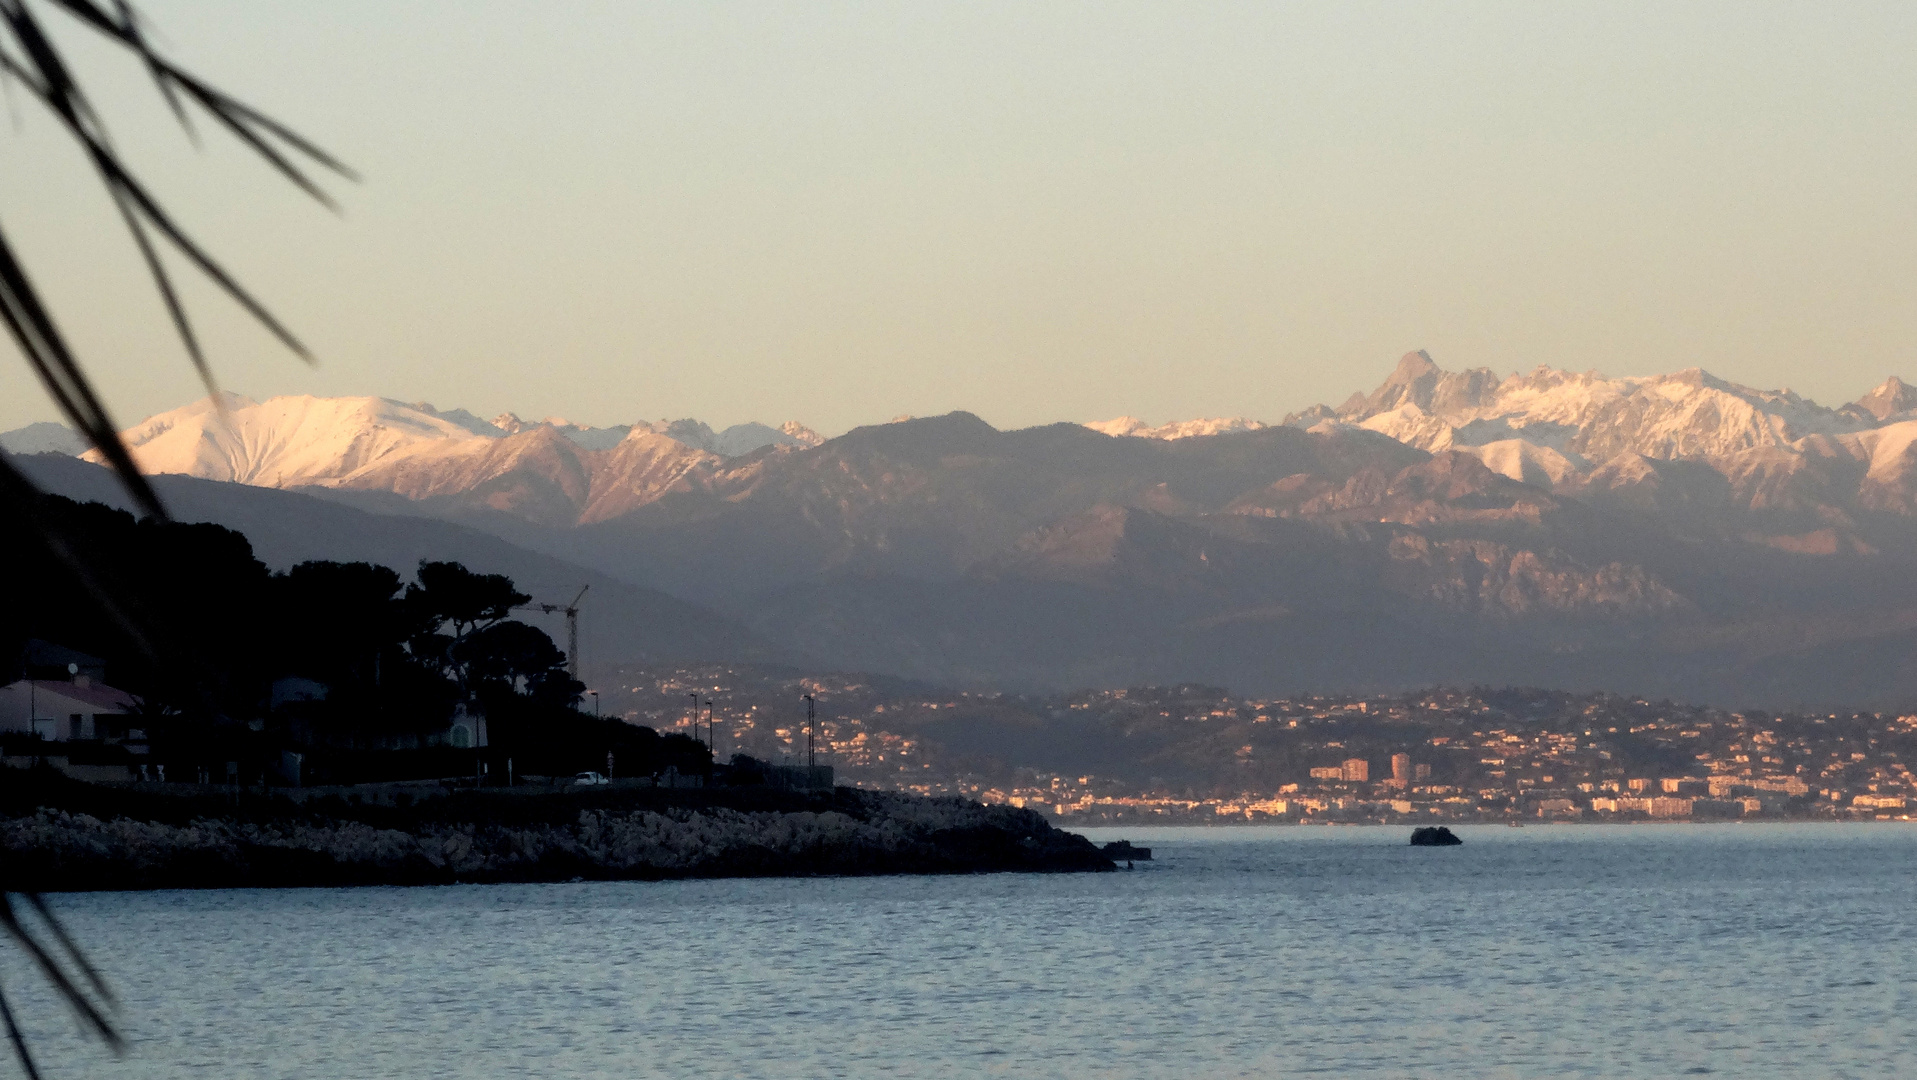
73	669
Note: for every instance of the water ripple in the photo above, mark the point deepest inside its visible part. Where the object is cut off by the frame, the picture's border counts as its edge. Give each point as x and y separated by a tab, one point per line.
1576	952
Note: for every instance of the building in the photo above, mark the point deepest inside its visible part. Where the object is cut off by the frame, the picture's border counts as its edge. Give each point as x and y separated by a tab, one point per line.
1328	772
467	731
1665	806
1421	772
1724	784
1401	770
62	711
1357	770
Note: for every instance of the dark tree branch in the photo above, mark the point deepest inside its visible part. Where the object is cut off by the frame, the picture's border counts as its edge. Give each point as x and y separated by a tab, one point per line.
31	58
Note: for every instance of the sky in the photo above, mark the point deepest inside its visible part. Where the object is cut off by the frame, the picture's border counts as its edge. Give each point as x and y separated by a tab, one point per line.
844	212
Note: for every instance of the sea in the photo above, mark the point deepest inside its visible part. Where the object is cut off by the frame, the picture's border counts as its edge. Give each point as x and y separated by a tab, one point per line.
1742	950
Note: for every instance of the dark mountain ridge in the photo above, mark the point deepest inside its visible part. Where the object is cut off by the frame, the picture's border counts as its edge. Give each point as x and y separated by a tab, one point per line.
618	621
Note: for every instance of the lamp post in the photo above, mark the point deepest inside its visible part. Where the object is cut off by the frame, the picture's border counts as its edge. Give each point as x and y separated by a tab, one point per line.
711	743
695	714
595	703
809	724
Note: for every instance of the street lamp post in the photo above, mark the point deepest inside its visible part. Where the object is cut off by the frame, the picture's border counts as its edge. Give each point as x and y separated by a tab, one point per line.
595	703
810	723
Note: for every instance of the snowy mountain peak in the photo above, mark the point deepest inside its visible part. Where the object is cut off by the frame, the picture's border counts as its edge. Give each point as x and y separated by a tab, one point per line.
301	440
1686	414
591	438
1133	427
459	417
1419	381
739	438
1551	427
1413	366
286	441
800	434
1889	399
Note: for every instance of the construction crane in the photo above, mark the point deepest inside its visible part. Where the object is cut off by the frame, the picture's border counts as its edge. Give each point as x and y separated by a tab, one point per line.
572	627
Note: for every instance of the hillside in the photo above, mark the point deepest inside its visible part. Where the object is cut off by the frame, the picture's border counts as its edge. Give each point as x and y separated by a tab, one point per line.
618	621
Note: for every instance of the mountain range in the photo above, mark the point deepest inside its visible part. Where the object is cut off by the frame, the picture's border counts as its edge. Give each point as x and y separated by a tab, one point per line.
1675	535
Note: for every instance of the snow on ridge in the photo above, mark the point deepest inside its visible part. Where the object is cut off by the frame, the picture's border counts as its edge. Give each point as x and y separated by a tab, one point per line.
300	440
1550	427
799	433
1528	462
738	439
1689	414
1133	427
282	441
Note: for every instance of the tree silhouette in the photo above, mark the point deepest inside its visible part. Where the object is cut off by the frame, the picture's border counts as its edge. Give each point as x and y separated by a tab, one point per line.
453	603
455	597
519	659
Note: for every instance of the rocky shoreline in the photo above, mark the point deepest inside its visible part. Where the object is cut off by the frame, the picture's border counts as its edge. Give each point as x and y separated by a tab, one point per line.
486	837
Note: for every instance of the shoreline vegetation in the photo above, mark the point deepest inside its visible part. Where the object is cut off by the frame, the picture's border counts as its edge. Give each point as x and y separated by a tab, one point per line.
62	835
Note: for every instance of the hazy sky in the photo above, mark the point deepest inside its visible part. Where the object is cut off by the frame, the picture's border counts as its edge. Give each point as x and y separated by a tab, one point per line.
843	212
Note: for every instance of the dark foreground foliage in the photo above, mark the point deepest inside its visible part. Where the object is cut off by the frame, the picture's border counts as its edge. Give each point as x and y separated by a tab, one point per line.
395	658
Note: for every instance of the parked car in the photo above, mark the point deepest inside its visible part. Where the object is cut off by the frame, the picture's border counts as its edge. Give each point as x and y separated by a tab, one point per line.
589	779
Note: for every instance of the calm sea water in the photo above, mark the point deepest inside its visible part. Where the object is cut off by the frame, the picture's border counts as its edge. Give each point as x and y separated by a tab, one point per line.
1741	951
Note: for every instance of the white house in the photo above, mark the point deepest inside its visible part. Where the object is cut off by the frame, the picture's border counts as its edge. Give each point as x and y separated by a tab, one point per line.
60	711
468	729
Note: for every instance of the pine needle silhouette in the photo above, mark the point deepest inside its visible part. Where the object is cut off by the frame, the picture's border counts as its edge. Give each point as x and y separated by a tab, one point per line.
31	60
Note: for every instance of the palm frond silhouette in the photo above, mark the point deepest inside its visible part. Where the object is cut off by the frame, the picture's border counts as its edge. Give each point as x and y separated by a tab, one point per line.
32	59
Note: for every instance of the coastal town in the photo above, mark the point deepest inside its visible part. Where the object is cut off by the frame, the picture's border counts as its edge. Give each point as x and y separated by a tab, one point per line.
1193	754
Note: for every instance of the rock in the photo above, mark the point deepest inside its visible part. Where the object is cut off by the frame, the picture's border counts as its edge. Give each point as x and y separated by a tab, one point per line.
499	837
1434	836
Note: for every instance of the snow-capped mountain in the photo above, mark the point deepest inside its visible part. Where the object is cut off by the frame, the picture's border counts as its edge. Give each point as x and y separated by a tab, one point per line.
1580	433
1133	427
592	438
1891	401
1687	415
735	441
1674	534
551	470
291	441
